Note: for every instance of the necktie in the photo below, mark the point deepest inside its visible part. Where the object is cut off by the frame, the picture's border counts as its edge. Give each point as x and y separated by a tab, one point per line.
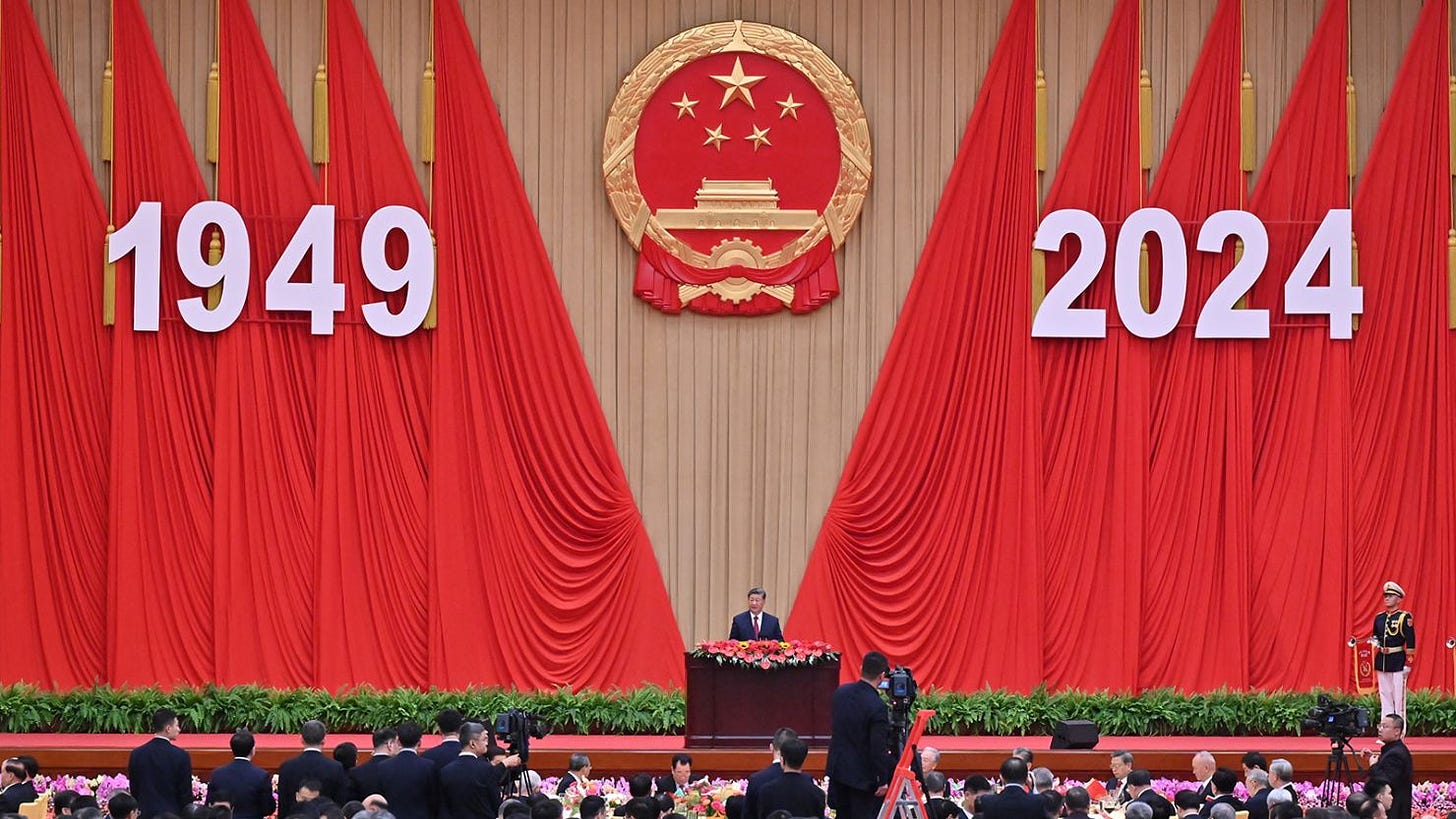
755	626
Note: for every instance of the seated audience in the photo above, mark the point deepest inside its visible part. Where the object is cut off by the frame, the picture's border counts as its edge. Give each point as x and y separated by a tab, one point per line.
1281	777
1140	788
1222	785
1141	810
1187	802
123	805
1256	780
309	801
578	769
1077	803
16	789
1042	780
592	807
547	809
677	780
61	802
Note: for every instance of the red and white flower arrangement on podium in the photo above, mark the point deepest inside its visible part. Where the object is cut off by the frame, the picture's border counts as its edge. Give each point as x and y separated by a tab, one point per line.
765	654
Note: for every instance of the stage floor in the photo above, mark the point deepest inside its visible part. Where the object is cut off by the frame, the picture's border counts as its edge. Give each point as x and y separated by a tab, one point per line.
1435	757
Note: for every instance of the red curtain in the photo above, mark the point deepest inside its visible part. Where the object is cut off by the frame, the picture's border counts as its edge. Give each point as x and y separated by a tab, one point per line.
1403	403
1095	398
951	504
530	508
267	551
1301	512
1194	607
54	378
373	404
161	400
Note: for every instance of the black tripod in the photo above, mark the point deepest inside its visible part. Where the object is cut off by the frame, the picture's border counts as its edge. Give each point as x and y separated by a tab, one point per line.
1337	769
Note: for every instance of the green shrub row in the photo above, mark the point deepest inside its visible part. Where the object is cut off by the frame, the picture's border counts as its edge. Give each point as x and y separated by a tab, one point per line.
649	710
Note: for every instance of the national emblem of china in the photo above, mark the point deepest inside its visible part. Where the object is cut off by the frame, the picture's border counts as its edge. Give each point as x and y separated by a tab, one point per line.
736	159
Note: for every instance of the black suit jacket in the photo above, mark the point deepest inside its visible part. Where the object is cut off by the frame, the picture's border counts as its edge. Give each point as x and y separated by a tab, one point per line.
160	774
368	778
410	783
17	795
859	753
248	788
442	755
469	789
1013	803
311	764
1162	808
1394	766
1258	804
1227	799
793	792
754	790
768	627
567	780
666	784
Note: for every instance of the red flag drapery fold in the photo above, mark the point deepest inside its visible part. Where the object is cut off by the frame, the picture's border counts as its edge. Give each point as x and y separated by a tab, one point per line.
267	554
1201	476
1095	398
940	490
373	404
1301	511
530	508
1402	431
159	580
54	413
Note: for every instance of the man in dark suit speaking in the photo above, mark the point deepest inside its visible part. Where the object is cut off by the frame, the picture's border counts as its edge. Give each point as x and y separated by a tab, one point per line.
860	760
756	624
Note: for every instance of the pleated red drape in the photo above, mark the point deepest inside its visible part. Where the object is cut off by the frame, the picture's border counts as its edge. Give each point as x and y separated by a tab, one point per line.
266	546
1301	512
373	404
544	571
1195	608
54	374
1095	399
162	400
1403	403
940	488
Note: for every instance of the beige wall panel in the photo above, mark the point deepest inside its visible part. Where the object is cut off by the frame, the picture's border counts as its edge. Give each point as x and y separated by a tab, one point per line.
733	433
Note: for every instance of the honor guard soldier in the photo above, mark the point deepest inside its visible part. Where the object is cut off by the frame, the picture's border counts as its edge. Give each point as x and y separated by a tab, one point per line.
1395	649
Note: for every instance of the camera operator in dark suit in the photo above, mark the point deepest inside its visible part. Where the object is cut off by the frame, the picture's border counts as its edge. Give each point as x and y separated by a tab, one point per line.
1393	764
860	761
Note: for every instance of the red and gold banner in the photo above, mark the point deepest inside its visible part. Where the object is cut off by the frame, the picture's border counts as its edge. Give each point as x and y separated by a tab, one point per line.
736	159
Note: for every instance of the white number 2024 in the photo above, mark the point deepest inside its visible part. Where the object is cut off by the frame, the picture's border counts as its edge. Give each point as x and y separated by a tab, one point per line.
1221	316
321	296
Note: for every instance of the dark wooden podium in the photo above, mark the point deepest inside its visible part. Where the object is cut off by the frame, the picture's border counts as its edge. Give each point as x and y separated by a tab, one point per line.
731	707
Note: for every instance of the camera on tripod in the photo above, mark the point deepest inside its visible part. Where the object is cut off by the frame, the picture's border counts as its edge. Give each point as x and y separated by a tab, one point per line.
1336	720
516	728
900	686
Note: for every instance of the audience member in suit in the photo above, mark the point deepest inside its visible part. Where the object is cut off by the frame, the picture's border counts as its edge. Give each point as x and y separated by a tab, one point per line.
593	807
935	801
1223	782
123	805
368	778
772	772
1187	803
755	624
681	774
16	789
160	773
1120	765
311	764
1137	810
240	784
793	791
449	748
1078	803
1253	760
1257	782
1015	800
1140	788
408	781
470	787
309	801
977	786
1281	777
1222	810
578	769
860	761
1203	768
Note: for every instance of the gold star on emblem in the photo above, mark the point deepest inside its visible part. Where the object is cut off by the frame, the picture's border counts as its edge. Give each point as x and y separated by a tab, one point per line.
758	137
716	137
790	108
685	106
737	84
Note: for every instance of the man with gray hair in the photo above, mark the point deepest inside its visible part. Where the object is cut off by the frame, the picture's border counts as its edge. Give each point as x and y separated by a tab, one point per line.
1141	810
1042	780
1120	764
1222	810
1203	768
1278	796
1257	783
579	768
756	624
1281	778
